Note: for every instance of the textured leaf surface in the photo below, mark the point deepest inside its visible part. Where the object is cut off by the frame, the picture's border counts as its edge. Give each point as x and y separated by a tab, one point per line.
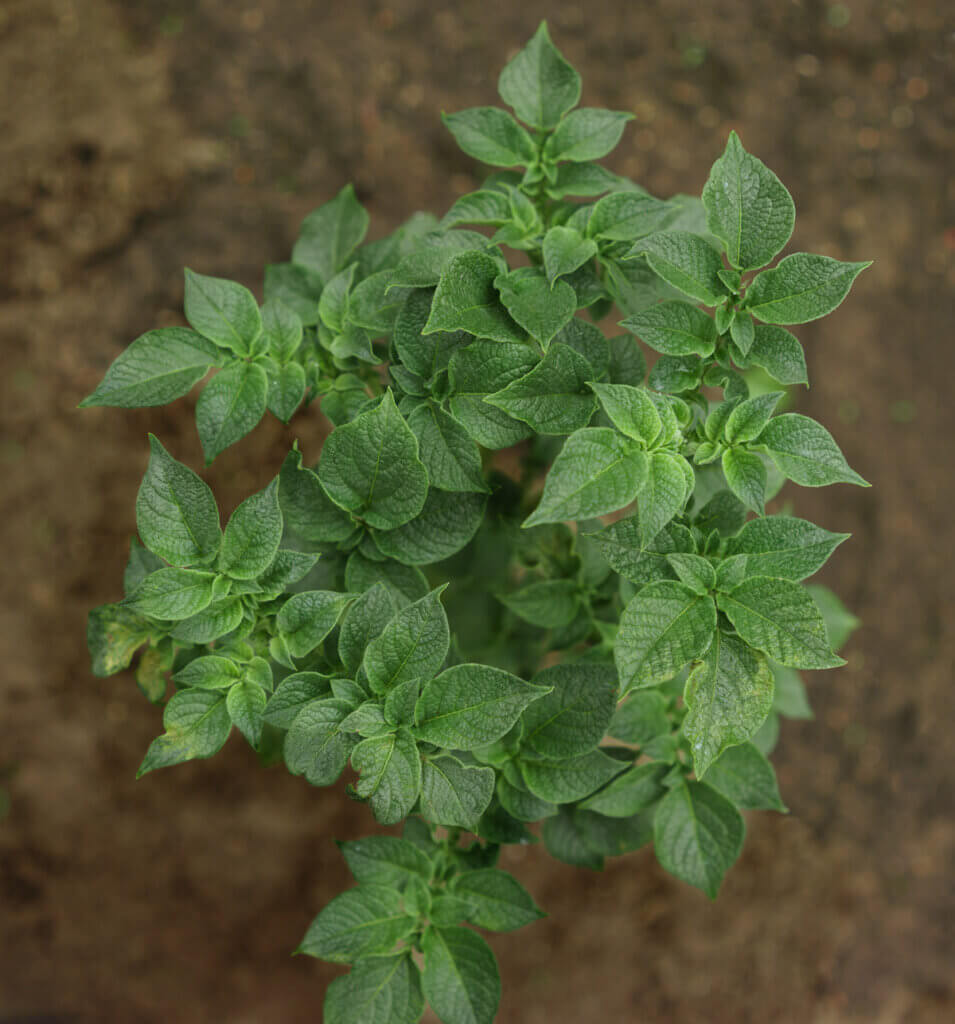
357	923
674	328
784	547
413	645
231	405
563	782
542	308
467	300
572	718
491	135
197	725
538	83
802	287
745	776
686	262
222	311
252	536
455	794
390	774
315	745
498	901
460	979
443	526
379	990
806	453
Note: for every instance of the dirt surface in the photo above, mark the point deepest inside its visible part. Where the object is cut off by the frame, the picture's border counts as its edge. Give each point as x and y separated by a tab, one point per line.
136	138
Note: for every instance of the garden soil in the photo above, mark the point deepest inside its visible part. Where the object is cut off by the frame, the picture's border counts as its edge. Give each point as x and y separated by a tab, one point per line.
136	138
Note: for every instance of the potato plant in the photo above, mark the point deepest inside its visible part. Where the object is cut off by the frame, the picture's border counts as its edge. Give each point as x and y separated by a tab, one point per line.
587	641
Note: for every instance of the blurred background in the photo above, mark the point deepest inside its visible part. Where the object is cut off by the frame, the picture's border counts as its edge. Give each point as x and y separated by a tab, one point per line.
138	137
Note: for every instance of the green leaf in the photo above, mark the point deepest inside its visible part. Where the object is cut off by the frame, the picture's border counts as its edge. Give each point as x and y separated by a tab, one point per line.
330	234
424	354
729	694
306	508
791	699
157	368
498	901
745	776
246	705
470	706
596	472
675	329
460	979
779	618
661	629
467	300
748	419
630	793
779	353
283	329
686	262
743	332
612	837
747	207
385	860
400	702
698	834
586	134
307	618
675	374
492	136
222	311
451	457
413	645
231	405
315	745
390	774
625	216
173	593
640	718
286	390
252	537
216	620
631	410
483	368
197	725
696	572
573	718
291	695
589	341
379	990
364	620
176	513
549	604
446	524
805	452
210	672
745	472
553	398
784	547
800	288
424	265
371	467
367	720
374	304
296	287
538	83
113	635
286	568
565	841
486	206
564	250
563	782
662	494
357	924
840	622
455	794
141	563
405	582
582	180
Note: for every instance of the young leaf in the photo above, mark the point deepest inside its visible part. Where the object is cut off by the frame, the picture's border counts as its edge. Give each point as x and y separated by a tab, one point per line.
674	375
640	718
378	990
356	924
745	472
444	526
631	411
661	629
498	901
840	622
245	703
176	513
779	618
784	547
563	782
307	618
405	583
492	136
330	234
565	840
363	621
424	265
371	467
470	706
743	332
294	286
552	398
451	457
697	835
540	307
538	83
729	694
315	745
291	695
390	771
549	604
467	300
586	134
222	311
564	250
486	206
306	508
686	262
286	568
157	368
779	353
573	718
583	180
587	340
413	645
283	329
630	793
745	776
455	794
521	804
805	452
197	725
286	390
693	570
625	216
596	472
231	405
214	621
748	419
675	329
460	978
385	860
747	207
662	495
173	593
251	539
800	288
210	672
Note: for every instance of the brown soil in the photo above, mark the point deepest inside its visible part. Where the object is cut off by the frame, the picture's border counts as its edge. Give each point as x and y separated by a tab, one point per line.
139	137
